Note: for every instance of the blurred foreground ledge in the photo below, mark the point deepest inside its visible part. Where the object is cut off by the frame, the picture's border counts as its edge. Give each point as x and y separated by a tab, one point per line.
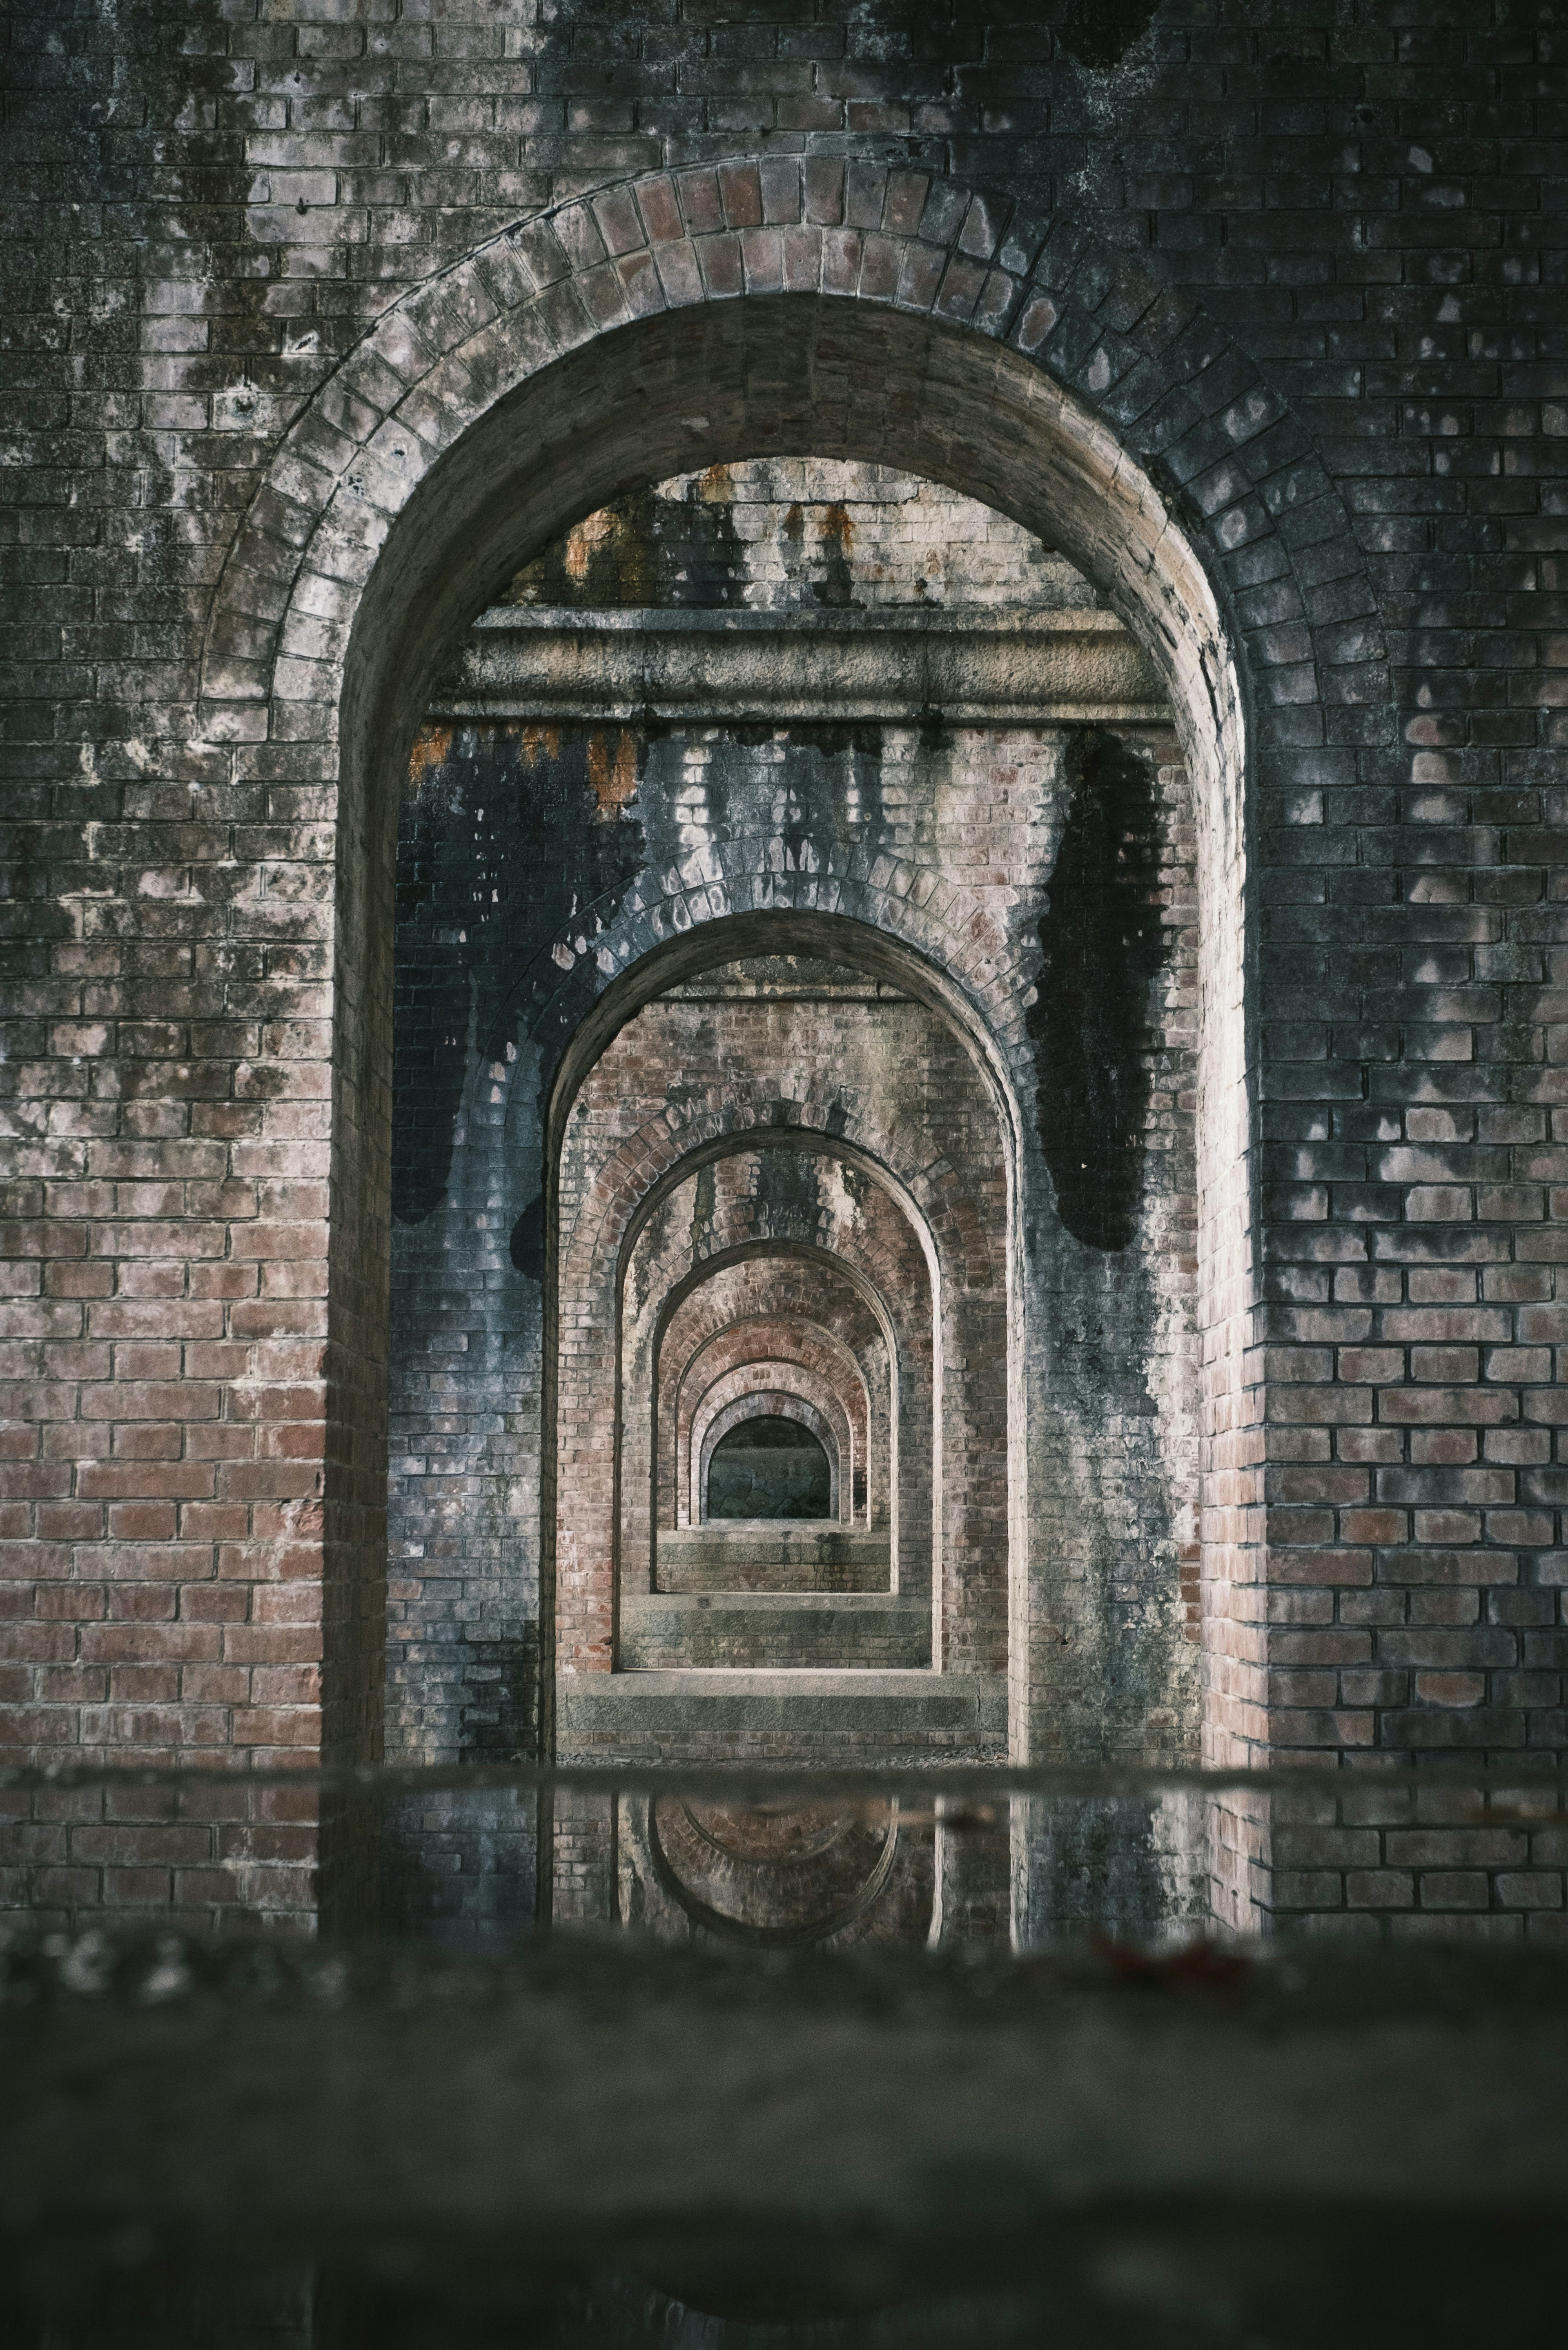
590	2139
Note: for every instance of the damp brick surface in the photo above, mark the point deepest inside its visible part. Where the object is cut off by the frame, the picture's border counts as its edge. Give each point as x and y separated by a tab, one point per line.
1298	284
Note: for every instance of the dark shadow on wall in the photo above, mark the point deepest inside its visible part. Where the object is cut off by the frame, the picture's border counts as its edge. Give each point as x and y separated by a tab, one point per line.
500	1714
1098	33
1102	945
507	832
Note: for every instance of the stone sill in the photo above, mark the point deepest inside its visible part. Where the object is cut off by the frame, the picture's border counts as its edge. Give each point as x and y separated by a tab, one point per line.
663	1602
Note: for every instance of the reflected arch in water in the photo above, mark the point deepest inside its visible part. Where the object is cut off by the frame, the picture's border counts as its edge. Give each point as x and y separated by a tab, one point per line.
774	1878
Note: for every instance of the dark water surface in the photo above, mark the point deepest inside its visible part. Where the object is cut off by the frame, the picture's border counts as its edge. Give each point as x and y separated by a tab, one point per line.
938	2060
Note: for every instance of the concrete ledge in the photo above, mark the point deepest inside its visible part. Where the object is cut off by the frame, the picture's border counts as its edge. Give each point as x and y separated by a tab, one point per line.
677	1705
754	1556
783	1630
970	666
1349	2150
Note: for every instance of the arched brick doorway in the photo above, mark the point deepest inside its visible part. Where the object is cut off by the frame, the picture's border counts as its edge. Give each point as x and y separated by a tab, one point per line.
520	389
926	1237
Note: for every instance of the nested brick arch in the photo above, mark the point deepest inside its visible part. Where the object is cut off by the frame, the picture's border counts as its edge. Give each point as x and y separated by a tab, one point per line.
739	1200
635	1179
884	1231
890	314
888	1336
797	914
754	886
779	1402
846	1337
864	1226
621	1357
947	1257
746	1355
772	1389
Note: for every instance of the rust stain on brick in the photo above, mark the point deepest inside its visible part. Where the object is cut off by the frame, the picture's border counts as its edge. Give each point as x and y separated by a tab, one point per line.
835	589
540	742
584	542
837	525
612	771
432	748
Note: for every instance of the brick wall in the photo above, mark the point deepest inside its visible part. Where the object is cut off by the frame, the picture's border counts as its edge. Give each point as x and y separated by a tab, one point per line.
1286	295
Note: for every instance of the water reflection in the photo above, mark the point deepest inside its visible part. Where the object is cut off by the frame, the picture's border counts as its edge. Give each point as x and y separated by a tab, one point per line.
474	1867
776	1876
786	2077
471	1860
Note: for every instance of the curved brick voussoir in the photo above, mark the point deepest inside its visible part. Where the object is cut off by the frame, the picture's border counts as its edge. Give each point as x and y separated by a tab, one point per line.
1174	391
648	1166
949	929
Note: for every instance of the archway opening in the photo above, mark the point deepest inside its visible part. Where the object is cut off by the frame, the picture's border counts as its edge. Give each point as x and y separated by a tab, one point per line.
769	1467
776	1011
977	967
755	1232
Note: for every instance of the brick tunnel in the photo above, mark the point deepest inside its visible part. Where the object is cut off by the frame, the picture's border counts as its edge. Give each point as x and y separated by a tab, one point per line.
802	1176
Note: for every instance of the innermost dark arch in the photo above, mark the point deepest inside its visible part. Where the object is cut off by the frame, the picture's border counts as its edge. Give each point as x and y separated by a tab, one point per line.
769	1468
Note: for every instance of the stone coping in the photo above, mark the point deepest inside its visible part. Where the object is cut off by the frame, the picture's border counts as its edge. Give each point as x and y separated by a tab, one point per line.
963	666
660	1601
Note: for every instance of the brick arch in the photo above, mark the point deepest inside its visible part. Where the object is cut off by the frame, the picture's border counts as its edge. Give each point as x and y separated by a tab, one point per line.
890	1235
749	884
840	920
759	1278
665	1154
907	1273
840	1333
936	329
738	1356
788	1397
1151	379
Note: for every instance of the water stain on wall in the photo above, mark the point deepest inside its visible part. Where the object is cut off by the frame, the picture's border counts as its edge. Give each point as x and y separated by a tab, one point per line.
646	550
508	836
1102	944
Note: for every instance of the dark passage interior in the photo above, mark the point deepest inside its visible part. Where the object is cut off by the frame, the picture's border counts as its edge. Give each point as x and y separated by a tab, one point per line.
795	953
769	1468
